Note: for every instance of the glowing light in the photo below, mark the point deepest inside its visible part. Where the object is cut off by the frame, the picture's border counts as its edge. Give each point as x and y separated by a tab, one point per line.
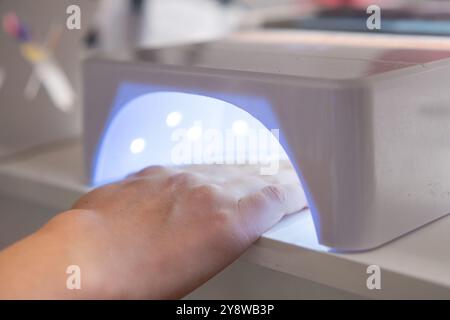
131	119
240	127
194	133
174	118
137	145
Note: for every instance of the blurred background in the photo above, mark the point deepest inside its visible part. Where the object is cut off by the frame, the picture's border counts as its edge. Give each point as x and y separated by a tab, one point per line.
40	56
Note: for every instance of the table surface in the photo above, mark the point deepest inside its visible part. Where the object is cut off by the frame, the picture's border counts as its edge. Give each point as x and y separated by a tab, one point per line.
416	265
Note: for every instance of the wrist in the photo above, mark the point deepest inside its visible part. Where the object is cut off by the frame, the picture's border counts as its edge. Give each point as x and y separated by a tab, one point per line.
79	252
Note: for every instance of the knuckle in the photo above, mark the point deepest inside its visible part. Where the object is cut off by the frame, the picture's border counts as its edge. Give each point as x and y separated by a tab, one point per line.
132	184
206	192
274	193
151	170
181	178
220	220
255	201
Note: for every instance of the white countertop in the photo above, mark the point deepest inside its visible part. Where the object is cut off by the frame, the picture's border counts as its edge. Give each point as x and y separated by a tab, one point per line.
416	265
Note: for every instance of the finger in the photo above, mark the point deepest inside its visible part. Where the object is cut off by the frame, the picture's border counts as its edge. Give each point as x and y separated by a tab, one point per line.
224	172
242	179
243	186
152	171
261	210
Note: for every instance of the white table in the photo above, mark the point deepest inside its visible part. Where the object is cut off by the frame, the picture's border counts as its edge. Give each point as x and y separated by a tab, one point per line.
416	265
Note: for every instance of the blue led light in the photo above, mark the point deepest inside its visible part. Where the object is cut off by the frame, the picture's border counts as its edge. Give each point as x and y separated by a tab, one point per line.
144	121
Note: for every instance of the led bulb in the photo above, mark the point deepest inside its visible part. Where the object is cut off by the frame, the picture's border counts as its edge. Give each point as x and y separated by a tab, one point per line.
137	146
173	119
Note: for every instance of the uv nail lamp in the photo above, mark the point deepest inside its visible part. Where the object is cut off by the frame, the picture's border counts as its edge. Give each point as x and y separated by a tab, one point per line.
365	120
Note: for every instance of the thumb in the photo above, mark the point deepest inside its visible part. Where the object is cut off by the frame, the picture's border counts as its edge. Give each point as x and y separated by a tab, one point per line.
261	210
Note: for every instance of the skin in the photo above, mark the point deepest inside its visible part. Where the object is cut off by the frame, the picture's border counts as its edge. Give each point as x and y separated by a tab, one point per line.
158	234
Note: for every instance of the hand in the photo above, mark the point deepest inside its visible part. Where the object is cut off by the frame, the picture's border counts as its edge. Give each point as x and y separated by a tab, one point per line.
163	232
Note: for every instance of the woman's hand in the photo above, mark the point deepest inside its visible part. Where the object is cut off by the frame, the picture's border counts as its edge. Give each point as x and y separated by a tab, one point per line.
160	233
